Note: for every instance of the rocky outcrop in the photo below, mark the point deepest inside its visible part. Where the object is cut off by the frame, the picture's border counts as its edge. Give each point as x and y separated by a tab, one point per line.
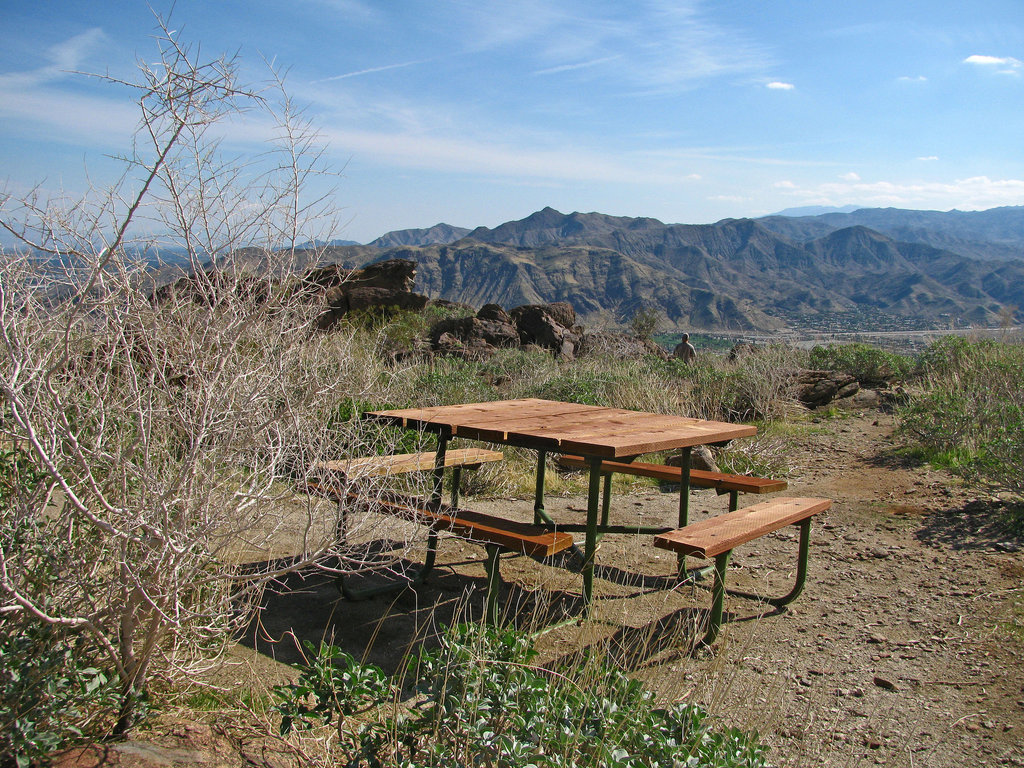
548	326
385	286
818	388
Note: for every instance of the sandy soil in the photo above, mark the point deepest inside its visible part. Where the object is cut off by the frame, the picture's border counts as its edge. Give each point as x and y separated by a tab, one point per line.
901	651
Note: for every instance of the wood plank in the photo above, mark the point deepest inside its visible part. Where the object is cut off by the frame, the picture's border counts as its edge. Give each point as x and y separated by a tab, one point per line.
698	477
401	463
722	533
618	446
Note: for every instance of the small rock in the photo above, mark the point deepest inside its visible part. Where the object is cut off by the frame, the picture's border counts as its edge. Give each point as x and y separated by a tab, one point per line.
888	685
879	552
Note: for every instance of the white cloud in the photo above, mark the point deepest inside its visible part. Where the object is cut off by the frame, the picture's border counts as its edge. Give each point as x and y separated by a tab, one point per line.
1005	65
974	193
913	79
784	185
775	85
928	158
850	176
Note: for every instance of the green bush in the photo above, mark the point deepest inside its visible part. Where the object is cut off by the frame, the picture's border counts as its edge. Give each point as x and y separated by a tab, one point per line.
871	366
483	700
970	416
51	691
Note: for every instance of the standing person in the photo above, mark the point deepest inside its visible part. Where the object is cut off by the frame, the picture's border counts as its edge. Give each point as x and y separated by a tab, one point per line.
684	350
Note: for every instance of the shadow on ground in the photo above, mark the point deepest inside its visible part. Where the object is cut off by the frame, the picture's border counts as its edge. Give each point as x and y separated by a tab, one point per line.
978	525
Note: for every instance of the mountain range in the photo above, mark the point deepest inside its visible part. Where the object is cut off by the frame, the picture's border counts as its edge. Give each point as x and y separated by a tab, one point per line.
869	267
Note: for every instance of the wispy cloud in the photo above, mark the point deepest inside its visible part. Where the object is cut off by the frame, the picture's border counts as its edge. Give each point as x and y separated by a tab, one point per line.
972	193
659	46
928	158
777	85
368	71
1004	65
913	79
580	65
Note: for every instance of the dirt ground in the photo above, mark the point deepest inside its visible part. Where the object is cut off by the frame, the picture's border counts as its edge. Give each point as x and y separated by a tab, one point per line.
904	649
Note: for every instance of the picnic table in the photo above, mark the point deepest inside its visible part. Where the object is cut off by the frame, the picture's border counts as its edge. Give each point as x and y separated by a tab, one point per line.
596	433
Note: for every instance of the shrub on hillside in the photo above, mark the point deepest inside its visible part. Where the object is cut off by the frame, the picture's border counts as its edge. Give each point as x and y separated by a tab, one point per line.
971	414
871	366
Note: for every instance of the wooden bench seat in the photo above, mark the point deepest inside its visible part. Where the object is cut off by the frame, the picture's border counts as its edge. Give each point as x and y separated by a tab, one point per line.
401	463
720	481
496	534
717	536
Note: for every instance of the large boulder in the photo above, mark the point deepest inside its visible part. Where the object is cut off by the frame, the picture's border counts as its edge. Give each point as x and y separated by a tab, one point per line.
551	326
385	286
482	336
818	388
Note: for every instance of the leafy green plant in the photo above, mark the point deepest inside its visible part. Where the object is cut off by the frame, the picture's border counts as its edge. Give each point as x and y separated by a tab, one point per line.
871	366
332	685
645	322
51	692
483	700
970	416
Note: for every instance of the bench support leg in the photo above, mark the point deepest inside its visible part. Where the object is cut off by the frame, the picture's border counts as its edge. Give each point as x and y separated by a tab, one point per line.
606	499
684	502
355	595
734	500
801	572
438	488
493	582
717	598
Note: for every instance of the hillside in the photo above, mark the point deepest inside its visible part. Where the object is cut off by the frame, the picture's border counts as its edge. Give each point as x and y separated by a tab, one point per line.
738	274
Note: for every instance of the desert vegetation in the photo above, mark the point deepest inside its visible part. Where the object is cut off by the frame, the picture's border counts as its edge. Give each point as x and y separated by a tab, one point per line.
154	455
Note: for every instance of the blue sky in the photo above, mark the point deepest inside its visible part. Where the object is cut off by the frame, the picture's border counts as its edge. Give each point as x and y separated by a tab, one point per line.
477	113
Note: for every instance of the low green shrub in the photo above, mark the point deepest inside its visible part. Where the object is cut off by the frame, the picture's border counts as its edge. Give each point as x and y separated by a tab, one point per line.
52	692
871	366
483	700
970	416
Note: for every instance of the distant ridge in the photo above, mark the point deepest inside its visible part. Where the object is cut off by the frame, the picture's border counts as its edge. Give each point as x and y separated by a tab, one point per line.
833	270
439	234
817	210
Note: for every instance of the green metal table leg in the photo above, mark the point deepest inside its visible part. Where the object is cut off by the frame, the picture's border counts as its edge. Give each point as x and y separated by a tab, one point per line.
717	598
438	487
590	548
456	482
606	499
493	582
684	503
539	515
734	500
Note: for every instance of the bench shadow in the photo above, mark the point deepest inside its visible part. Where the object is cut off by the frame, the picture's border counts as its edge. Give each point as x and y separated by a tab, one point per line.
673	636
386	629
978	525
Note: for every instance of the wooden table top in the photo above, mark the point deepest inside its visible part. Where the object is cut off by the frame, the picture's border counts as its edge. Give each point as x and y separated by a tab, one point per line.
566	427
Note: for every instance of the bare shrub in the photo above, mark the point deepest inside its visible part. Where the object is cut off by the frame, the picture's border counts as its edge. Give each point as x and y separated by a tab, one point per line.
173	431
